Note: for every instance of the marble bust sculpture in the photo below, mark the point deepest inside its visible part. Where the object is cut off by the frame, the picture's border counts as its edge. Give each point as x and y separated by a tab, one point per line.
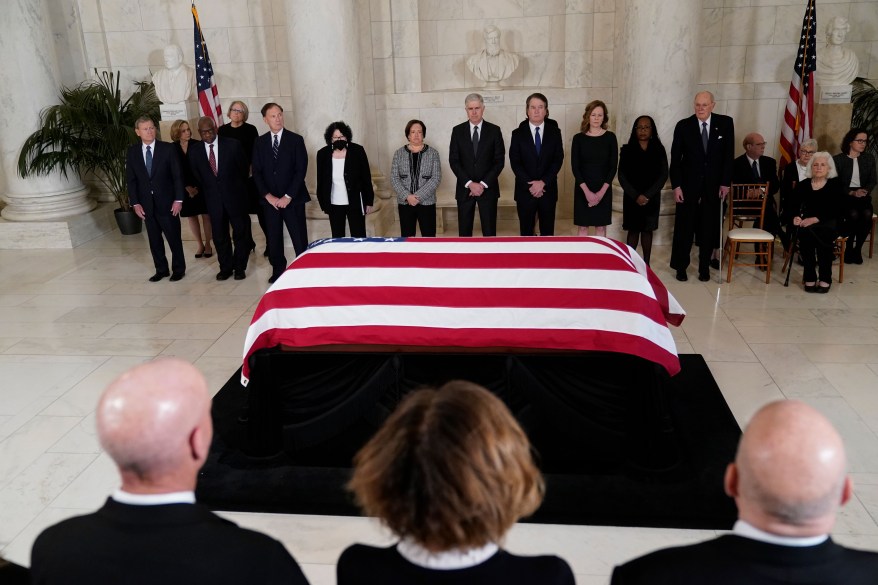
174	83
492	64
836	64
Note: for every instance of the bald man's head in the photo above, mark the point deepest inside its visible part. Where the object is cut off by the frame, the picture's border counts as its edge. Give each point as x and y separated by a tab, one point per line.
789	476
154	421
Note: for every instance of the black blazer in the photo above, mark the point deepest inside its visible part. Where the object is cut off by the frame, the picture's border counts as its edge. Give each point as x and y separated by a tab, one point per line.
734	560
742	172
845	167
158	191
227	189
169	544
527	166
788	181
357	177
286	175
484	168
696	172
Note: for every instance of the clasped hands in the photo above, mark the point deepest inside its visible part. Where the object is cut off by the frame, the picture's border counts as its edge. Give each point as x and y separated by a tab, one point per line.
277	202
804	221
593	198
537	188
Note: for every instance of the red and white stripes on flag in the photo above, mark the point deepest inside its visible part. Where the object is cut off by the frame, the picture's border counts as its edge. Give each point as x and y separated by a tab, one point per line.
799	116
565	293
208	96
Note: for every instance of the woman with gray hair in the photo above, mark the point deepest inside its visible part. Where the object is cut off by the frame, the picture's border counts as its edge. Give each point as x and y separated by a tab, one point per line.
415	174
793	174
820	198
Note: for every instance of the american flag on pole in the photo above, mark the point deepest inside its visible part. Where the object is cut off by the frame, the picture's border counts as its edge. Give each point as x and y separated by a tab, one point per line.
562	293
799	115
208	97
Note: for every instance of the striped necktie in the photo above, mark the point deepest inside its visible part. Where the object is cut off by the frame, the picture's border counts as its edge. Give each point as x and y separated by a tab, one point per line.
274	147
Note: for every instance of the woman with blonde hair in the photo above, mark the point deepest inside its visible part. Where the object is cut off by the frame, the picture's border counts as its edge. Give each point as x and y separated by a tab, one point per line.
194	206
449	472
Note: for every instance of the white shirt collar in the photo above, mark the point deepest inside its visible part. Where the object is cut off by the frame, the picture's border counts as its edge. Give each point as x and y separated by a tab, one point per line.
752	160
532	127
479	126
123	497
143	146
747	530
279	135
445	560
700	122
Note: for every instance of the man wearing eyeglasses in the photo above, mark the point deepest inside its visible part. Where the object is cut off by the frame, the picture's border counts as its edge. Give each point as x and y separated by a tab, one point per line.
754	167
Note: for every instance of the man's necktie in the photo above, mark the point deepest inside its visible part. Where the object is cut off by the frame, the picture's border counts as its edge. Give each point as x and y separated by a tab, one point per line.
755	170
704	135
212	159
149	160
475	141
537	142
275	146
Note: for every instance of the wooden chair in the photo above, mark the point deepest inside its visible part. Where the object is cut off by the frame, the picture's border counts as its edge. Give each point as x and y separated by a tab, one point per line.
872	235
840	245
747	203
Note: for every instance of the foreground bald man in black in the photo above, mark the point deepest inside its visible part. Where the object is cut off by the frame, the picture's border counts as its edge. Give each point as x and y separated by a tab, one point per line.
788	480
154	421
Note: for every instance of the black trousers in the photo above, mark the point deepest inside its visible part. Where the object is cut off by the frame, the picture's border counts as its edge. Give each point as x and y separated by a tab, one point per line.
528	209
229	257
466	214
293	216
169	227
338	214
412	216
695	217
817	240
857	220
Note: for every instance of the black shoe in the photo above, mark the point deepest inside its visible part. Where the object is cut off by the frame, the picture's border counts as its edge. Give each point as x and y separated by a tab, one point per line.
177	276
704	276
158	276
224	275
858	257
823	289
273	278
681	276
240	275
809	288
714	263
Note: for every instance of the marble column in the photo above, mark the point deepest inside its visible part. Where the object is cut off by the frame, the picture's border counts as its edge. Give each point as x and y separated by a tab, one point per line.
325	70
29	82
659	79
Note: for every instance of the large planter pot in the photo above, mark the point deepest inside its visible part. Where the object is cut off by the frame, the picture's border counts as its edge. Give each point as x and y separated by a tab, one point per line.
128	222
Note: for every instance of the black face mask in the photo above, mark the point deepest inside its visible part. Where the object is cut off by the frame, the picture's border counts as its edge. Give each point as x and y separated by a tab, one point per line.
340	144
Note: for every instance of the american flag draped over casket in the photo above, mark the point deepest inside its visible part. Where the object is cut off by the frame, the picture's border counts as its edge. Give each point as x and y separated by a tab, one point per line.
561	293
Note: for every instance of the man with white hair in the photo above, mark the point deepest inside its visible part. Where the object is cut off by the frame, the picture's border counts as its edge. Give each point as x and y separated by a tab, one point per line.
154	421
788	480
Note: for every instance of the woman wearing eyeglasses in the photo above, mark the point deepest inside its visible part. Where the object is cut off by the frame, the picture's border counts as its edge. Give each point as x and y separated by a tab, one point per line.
246	134
856	170
792	175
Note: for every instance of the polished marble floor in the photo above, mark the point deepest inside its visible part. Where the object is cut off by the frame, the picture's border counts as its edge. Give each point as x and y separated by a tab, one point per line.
71	320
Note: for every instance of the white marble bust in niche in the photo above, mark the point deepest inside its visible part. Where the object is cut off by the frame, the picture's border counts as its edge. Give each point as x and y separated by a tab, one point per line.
836	64
174	82
492	64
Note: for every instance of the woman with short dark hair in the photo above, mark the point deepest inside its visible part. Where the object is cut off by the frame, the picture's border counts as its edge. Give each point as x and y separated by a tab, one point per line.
449	472
415	175
856	171
344	181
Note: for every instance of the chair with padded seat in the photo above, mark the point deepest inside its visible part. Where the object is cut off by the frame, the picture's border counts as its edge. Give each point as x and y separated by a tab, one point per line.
747	204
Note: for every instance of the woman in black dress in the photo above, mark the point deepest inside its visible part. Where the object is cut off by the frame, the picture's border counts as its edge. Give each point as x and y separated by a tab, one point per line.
246	134
820	197
449	472
856	173
593	159
643	170
194	206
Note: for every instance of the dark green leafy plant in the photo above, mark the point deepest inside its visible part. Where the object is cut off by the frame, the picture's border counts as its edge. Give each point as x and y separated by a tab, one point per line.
89	132
865	100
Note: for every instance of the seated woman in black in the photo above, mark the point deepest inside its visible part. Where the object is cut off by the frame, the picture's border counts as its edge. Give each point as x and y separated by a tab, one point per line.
856	173
793	174
820	203
449	473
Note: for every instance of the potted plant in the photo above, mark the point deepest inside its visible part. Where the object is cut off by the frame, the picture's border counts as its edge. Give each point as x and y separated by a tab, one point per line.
90	131
865	114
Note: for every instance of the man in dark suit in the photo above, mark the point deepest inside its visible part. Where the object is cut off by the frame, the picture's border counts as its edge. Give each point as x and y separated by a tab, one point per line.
754	167
701	174
536	154
223	180
476	155
788	480
279	165
155	189
154	421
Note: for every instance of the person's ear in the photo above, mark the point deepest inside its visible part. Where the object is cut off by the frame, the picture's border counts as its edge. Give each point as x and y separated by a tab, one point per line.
847	490
730	481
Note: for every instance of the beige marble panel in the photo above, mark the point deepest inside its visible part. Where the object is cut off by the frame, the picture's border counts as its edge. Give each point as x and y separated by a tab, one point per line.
96	49
428	38
543	7
251	44
579	6
579	32
604	5
542	70
444	72
379	10
236	78
732	60
161	15
382	40
748	26
604	30
602	69
557	34
711	26
770	63
710	65
578	69
123	15
405	41
259	12
267	81
383	72
282	51
404	9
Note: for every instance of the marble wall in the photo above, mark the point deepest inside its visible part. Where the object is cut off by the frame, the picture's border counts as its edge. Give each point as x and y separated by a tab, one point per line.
413	56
